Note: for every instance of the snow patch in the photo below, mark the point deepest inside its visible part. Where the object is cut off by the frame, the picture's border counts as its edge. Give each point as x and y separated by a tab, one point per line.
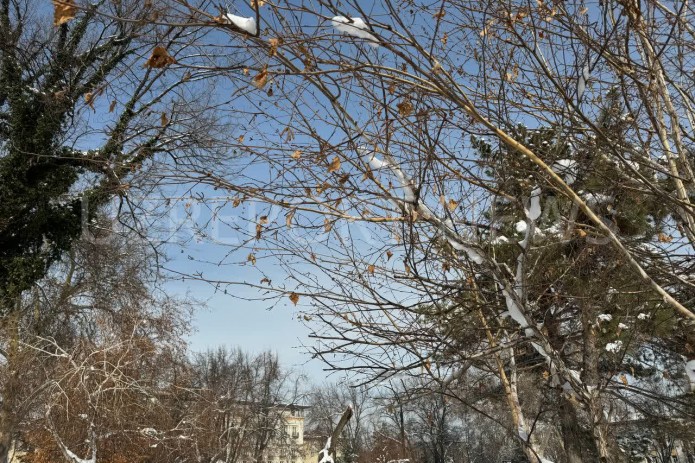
534	210
355	27
245	24
583	80
369	156
605	317
614	346
523	434
690	371
325	454
567	168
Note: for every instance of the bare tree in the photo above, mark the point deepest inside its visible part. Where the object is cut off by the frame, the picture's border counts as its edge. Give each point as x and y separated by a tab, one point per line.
327	403
243	408
472	184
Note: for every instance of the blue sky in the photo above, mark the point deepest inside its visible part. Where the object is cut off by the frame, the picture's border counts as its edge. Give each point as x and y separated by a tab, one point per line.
235	315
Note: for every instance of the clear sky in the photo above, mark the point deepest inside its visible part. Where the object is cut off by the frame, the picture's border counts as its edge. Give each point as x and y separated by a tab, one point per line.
235	315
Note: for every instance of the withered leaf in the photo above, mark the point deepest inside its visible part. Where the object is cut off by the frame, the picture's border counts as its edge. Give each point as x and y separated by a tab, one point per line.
251	258
296	155
440	14
164	119
334	165
664	238
112	106
261	79
89	99
160	58
289	217
371	268
274	44
64	11
294	297
405	108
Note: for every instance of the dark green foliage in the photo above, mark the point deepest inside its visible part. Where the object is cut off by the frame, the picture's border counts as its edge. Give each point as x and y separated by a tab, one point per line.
42	188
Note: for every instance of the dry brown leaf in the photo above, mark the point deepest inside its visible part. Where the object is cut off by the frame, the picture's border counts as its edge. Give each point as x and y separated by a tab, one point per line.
371	268
251	258
327	225
164	119
236	201
274	44
64	11
664	238
511	76
263	220
287	133
444	39
322	187
334	165
160	58
296	155
259	231
289	217
261	79
344	178
584	10
392	88
89	99
623	379
389	255
112	106
294	297
257	3
581	233
405	108
265	280
452	205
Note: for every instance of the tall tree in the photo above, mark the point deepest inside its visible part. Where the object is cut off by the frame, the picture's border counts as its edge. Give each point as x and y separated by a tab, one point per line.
394	130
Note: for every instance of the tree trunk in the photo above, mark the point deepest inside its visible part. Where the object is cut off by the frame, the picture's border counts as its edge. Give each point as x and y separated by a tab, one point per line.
10	389
577	442
607	449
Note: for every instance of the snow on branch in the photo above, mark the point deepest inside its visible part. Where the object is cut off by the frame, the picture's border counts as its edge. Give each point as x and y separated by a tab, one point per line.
245	24
328	452
355	27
